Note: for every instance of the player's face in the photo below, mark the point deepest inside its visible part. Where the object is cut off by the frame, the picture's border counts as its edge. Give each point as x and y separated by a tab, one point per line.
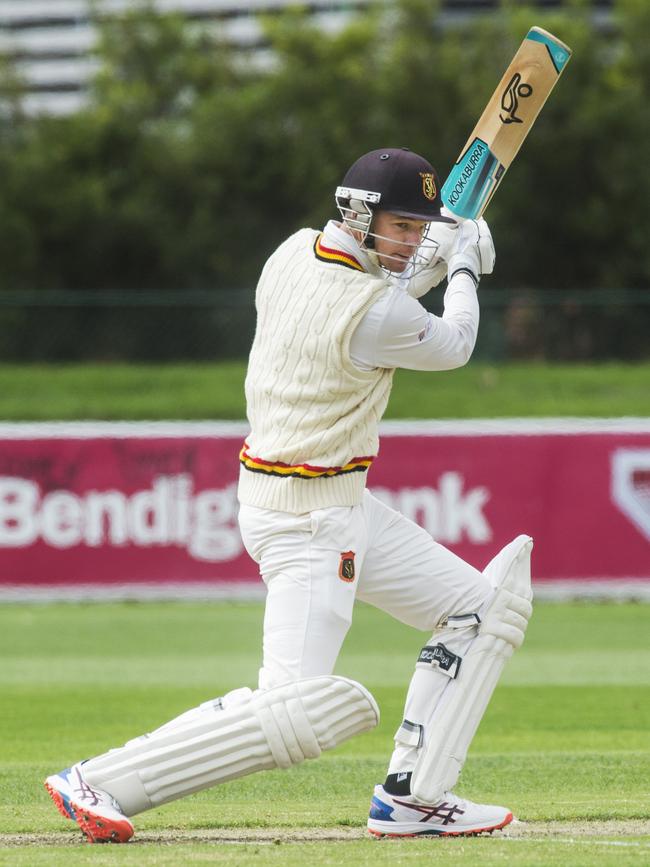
399	237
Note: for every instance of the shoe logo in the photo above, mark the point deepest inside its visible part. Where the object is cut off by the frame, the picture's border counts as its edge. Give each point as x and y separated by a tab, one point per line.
87	793
443	811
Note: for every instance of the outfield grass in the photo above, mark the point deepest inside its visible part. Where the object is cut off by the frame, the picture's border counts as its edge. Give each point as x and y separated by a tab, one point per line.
565	741
215	391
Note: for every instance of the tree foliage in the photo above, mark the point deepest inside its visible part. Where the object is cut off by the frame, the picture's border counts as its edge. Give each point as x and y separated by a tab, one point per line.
191	162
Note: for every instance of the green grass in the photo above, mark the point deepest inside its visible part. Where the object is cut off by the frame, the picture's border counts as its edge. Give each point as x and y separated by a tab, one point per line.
215	391
565	741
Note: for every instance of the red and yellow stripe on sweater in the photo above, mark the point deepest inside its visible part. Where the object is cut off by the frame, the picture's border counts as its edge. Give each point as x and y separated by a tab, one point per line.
301	471
335	257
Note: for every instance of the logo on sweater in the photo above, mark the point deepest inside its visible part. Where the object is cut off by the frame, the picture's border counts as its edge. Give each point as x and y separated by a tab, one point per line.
346	566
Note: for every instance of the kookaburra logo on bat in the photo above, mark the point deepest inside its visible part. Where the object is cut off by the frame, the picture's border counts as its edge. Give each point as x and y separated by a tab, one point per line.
514	91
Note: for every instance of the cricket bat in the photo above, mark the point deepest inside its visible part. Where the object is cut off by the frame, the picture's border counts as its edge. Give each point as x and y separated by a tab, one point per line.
505	123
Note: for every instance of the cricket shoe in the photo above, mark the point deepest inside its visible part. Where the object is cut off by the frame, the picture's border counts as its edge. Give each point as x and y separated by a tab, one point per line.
59	787
403	816
96	812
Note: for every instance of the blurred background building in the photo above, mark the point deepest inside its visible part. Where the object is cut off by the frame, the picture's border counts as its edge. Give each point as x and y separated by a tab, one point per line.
52	41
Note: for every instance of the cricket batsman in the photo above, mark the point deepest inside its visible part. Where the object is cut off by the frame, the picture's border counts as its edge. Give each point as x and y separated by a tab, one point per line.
337	313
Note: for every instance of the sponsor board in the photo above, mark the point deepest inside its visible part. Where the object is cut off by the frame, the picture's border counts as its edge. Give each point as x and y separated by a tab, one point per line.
156	505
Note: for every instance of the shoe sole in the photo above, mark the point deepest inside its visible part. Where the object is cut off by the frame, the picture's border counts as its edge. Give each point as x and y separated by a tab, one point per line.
469	832
99	829
61	803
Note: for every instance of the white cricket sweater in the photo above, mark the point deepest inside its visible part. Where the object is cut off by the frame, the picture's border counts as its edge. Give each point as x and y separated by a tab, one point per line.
314	416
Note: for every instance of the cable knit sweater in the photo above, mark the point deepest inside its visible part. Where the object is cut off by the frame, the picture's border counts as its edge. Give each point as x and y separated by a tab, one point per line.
314	415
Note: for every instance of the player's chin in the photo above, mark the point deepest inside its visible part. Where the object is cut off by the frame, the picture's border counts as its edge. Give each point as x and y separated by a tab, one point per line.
397	265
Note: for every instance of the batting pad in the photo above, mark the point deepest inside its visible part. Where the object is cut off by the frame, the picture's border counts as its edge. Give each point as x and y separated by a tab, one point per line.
455	720
276	728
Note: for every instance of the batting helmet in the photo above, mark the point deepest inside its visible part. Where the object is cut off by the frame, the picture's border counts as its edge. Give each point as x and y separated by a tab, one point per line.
390	179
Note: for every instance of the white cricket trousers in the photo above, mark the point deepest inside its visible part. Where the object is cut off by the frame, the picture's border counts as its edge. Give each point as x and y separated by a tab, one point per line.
305	562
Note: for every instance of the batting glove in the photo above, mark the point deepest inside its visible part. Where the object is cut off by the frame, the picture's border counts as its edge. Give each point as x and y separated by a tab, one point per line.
473	249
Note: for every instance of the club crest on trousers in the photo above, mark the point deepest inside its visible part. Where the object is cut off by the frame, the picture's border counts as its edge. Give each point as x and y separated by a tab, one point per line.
346	566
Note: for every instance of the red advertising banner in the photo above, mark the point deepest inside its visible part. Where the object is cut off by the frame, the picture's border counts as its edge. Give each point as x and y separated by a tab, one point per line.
153	508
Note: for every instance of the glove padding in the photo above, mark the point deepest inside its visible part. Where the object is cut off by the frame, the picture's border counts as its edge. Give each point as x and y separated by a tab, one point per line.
473	249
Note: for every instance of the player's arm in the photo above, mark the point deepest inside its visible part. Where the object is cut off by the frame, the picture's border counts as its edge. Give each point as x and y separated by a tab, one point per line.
399	332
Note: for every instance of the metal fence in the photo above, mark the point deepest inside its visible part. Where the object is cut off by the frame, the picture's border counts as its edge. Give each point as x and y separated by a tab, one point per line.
204	325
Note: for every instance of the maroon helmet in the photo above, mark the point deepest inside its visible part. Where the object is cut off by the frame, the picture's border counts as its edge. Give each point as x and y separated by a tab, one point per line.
390	179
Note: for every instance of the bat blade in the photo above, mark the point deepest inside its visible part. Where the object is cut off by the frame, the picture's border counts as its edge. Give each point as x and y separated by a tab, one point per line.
505	123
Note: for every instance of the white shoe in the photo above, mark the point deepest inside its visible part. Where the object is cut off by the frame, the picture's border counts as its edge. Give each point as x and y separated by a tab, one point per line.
403	816
60	789
97	813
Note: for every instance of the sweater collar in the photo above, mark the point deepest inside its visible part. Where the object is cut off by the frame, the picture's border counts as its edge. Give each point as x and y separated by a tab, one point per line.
337	245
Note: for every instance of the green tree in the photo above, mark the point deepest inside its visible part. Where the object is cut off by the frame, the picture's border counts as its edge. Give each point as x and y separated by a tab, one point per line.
192	161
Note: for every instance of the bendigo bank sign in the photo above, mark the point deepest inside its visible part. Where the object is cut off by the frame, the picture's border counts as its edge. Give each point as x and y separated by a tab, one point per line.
130	506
